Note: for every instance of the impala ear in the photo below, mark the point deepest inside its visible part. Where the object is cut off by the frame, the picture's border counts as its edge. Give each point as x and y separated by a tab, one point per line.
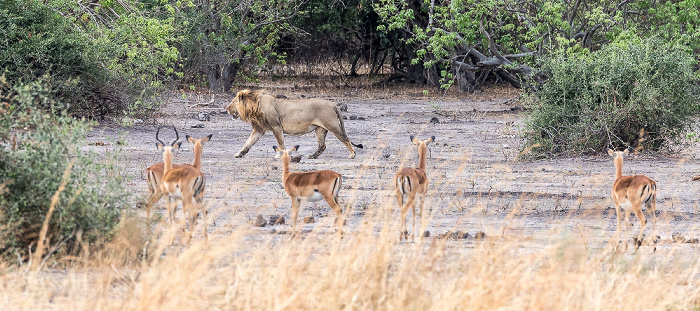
178	144
275	148
189	139
627	151
431	139
412	138
295	148
208	138
159	146
611	152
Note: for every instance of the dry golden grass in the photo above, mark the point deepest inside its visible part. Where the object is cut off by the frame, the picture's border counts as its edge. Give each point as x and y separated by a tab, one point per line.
367	269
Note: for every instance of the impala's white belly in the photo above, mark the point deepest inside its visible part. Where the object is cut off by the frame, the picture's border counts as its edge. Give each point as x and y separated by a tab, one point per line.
315	197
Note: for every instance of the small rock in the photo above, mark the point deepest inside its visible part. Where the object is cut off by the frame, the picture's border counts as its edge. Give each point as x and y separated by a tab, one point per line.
345	118
506	146
138	121
198	126
353	117
273	231
434	120
296	159
361	118
343	107
480	235
280	96
426	234
678	238
459	235
260	221
276	220
203	116
309	220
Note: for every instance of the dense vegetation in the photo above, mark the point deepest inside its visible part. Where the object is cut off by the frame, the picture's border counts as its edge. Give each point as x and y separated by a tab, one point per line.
598	74
44	174
638	93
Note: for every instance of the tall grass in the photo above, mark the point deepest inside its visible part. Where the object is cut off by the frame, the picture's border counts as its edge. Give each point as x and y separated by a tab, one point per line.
367	269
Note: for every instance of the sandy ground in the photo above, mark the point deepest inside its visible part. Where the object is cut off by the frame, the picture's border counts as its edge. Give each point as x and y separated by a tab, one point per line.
477	181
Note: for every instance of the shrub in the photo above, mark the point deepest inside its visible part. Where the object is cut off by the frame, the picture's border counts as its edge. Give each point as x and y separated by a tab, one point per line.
97	69
36	147
638	93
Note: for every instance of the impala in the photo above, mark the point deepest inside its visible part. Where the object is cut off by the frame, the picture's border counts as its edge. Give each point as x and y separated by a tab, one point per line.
310	186
154	173
410	182
631	192
184	184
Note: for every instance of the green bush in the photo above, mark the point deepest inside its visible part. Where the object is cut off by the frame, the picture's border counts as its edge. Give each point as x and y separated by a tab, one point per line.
36	147
97	69
638	93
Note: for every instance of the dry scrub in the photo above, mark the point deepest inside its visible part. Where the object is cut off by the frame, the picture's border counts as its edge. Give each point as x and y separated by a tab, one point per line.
367	269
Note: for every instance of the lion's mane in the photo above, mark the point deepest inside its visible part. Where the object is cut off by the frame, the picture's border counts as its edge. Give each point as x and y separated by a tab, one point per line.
248	106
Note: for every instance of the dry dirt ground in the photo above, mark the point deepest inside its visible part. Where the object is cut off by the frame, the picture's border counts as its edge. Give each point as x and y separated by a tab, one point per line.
477	181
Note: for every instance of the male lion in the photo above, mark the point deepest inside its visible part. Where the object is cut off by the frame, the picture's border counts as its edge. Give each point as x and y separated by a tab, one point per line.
294	117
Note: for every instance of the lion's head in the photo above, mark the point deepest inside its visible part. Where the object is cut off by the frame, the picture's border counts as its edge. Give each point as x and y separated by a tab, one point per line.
246	105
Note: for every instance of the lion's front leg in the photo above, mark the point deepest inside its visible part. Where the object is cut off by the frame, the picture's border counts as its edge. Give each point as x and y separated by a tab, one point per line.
279	135
254	137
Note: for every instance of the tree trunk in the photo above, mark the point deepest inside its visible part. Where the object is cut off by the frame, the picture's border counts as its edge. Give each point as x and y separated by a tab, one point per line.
221	79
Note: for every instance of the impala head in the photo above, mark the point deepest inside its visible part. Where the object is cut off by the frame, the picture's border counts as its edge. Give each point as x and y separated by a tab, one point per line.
198	142
618	154
169	148
419	142
285	153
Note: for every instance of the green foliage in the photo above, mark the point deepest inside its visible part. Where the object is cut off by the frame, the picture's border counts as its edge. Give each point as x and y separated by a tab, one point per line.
219	39
635	92
98	61
37	147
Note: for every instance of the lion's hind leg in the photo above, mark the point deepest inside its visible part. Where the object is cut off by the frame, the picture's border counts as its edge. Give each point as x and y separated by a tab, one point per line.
321	137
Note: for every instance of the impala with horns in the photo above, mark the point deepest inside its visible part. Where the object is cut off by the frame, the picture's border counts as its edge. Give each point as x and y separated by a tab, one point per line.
630	192
412	182
310	186
154	173
184	184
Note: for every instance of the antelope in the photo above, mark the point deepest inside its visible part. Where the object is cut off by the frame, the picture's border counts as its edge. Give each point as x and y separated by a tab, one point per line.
633	191
410	182
154	173
184	184
310	186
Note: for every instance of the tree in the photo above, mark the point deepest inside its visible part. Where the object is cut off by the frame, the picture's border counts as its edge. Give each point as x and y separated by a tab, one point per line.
220	37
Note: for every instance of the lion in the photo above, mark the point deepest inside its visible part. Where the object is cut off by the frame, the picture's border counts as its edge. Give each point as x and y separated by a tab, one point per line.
293	117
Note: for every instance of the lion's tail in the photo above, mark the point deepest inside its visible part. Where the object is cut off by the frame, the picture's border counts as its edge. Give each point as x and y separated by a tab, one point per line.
342	127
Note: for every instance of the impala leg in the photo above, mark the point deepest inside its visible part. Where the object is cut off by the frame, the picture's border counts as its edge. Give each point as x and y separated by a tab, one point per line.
410	203
295	212
152	200
203	207
627	225
422	223
616	237
651	206
333	203
321	137
642	225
